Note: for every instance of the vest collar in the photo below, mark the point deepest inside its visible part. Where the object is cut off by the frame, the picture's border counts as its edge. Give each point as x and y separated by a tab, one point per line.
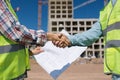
113	2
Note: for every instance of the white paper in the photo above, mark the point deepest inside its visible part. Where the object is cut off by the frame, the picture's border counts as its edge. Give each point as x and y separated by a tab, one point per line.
56	60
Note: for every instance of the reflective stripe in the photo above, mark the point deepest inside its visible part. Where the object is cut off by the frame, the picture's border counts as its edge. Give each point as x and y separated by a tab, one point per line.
113	43
111	27
11	48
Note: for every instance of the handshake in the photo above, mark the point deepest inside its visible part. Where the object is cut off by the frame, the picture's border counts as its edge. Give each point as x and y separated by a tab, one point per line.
58	39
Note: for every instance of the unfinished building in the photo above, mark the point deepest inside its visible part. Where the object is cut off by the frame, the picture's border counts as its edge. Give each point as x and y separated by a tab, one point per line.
61	17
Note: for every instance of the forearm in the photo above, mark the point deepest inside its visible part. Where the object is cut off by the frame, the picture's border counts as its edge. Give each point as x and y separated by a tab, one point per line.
88	37
23	35
10	28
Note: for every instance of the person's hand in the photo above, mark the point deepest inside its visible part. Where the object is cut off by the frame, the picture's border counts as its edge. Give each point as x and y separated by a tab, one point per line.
36	50
62	42
53	36
59	40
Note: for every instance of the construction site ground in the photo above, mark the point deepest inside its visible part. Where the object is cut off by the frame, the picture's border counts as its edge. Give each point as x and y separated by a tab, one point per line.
84	70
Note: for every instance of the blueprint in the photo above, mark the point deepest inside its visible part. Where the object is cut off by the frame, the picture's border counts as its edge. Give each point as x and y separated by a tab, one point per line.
55	60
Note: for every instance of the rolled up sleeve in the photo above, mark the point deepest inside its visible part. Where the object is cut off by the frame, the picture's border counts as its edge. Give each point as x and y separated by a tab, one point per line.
88	37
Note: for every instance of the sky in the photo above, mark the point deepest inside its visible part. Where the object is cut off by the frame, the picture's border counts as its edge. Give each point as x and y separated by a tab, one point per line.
28	13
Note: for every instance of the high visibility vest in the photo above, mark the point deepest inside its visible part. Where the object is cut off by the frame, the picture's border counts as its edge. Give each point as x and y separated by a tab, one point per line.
110	22
14	59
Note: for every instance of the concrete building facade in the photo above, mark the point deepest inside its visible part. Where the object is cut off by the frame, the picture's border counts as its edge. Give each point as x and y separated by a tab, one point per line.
61	17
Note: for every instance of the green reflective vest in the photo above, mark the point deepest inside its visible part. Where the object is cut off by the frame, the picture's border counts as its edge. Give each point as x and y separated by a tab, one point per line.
110	22
14	59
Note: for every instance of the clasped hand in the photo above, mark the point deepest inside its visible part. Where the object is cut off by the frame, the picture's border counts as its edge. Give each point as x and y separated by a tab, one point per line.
59	39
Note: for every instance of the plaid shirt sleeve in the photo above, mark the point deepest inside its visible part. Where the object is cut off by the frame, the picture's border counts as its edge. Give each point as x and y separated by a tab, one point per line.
10	28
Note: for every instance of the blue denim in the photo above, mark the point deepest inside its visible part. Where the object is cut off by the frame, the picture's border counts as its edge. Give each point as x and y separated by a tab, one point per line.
115	77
